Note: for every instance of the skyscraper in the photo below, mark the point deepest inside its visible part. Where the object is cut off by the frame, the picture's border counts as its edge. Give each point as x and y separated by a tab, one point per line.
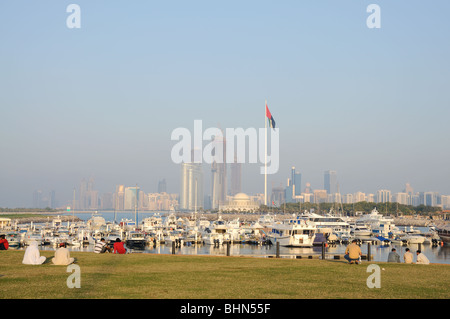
131	198
296	179
236	178
330	182
191	190
383	196
191	185
162	186
218	173
119	197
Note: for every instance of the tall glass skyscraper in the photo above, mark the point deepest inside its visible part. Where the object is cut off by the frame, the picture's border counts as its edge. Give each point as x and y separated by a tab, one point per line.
296	178
191	186
330	182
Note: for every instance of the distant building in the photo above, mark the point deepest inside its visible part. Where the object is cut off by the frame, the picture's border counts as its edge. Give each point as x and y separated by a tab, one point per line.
330	182
106	201
131	198
236	178
320	196
218	173
162	186
240	202
119	197
37	199
402	198
278	196
383	196
191	190
359	197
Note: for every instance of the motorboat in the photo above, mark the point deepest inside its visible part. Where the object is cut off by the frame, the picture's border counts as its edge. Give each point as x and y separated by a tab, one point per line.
360	231
136	240
327	224
216	233
13	239
378	224
295	232
414	239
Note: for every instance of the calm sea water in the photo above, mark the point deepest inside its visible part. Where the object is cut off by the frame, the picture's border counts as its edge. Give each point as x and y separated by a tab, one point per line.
436	254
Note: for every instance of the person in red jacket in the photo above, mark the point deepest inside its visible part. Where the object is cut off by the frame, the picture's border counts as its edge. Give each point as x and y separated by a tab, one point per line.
119	248
4	245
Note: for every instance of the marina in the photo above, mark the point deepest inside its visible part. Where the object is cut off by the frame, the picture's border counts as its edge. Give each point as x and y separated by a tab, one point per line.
298	236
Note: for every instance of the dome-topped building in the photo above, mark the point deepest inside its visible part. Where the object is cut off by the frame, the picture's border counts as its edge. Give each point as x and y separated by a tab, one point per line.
239	202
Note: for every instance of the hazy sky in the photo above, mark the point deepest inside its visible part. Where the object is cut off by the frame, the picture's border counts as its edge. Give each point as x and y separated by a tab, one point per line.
102	100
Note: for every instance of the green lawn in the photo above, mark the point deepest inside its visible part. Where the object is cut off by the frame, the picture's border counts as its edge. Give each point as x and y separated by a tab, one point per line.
154	276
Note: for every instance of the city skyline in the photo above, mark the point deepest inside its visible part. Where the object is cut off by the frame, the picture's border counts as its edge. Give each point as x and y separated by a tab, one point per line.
192	175
103	100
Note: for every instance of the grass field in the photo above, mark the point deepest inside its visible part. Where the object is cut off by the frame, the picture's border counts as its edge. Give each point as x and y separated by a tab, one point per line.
152	276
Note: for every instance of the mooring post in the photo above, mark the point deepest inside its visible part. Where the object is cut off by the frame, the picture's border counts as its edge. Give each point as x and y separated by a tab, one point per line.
323	251
278	249
368	251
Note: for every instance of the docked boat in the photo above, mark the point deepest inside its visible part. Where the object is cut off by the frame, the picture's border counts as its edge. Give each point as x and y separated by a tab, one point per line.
216	233
136	240
327	224
378	224
360	231
414	239
152	223
14	239
444	234
295	232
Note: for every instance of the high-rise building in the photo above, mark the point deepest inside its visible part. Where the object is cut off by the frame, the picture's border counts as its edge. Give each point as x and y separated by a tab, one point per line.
37	199
278	196
191	186
384	196
218	173
52	199
162	186
131	198
119	197
106	201
359	197
402	198
236	178
320	196
330	182
296	178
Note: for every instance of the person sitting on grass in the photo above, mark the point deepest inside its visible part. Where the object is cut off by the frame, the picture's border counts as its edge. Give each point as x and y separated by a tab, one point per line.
421	258
353	252
119	248
62	256
393	257
408	256
101	247
32	255
4	245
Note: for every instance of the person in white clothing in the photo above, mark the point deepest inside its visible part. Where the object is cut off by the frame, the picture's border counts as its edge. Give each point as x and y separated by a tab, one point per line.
32	255
421	258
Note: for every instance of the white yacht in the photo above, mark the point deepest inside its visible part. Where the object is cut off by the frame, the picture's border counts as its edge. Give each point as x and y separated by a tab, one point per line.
327	224
266	220
360	231
295	232
216	233
152	223
136	240
378	224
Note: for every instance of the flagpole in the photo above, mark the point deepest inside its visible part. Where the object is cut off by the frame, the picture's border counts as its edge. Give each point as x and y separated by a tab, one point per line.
265	156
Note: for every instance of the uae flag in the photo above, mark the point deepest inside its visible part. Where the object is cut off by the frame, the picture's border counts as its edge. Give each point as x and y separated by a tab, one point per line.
270	118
